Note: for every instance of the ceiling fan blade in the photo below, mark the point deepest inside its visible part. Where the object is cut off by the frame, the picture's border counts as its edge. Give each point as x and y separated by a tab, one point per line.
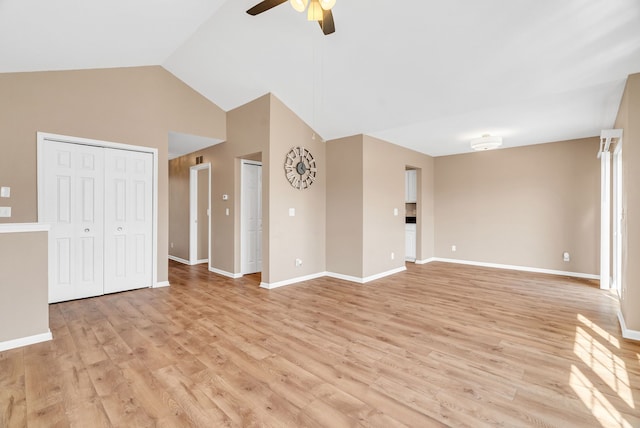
264	6
327	24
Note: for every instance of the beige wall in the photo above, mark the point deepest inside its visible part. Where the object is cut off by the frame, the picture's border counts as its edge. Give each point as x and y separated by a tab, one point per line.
264	129
629	120
366	182
345	206
24	289
522	206
384	189
247	136
302	236
137	106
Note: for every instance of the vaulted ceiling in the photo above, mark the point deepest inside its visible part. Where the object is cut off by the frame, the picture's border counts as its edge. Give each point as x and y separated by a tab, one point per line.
428	75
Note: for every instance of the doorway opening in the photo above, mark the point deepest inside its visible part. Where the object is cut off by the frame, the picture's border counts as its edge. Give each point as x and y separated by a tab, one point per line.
200	214
412	209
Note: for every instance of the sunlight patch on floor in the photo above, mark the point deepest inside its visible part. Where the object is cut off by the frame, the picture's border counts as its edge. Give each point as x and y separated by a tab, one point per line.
604	363
595	401
599	330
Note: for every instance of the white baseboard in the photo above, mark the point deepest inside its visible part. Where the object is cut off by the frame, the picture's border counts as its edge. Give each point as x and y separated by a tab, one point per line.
365	279
24	341
345	277
272	285
187	262
515	267
425	261
161	284
225	273
627	333
179	260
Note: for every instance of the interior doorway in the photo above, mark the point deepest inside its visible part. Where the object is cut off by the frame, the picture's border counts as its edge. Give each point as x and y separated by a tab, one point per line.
251	217
200	213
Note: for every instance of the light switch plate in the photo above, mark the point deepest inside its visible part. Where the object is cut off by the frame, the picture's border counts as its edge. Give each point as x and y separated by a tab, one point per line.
292	212
5	192
5	211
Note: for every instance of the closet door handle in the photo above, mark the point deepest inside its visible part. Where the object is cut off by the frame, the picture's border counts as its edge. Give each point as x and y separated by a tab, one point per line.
119	229
87	230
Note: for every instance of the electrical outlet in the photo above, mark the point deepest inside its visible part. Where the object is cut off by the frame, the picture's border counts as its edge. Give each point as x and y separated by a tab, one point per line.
5	192
5	211
566	256
172	245
298	262
453	248
393	255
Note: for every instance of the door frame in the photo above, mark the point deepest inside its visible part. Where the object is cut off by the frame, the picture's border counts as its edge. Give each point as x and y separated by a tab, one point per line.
43	137
616	270
193	214
243	232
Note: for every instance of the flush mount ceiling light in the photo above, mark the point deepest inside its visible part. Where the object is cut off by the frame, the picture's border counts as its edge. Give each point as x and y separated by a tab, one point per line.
486	142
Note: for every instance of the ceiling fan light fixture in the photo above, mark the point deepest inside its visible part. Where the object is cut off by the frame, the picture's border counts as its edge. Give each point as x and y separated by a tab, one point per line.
327	4
486	142
314	13
299	5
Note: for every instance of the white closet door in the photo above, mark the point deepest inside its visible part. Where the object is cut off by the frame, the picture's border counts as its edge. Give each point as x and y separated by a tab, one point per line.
73	177
251	261
128	220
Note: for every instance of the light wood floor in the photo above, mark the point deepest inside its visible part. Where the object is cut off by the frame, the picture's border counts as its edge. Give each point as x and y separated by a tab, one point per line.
438	345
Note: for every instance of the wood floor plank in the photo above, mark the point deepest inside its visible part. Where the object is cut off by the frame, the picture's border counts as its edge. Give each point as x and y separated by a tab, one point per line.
437	345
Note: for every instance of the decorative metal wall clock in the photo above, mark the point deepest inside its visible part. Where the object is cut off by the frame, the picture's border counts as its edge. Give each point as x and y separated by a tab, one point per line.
300	168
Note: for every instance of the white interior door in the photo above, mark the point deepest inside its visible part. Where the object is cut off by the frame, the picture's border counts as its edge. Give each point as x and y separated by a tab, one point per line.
73	205
251	213
128	220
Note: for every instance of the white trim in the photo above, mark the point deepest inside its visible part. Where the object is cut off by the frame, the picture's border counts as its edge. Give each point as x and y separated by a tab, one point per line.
383	274
364	280
44	136
24	227
345	277
179	260
24	341
627	333
616	269
520	268
271	286
605	217
187	262
225	273
425	261
161	284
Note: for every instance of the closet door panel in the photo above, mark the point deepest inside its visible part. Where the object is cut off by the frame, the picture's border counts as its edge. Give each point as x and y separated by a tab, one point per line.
128	220
73	177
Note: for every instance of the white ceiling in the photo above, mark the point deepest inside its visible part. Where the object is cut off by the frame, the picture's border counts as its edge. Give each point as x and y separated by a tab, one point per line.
429	75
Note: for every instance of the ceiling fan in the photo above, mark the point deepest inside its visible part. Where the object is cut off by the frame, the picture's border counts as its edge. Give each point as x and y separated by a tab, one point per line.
317	10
